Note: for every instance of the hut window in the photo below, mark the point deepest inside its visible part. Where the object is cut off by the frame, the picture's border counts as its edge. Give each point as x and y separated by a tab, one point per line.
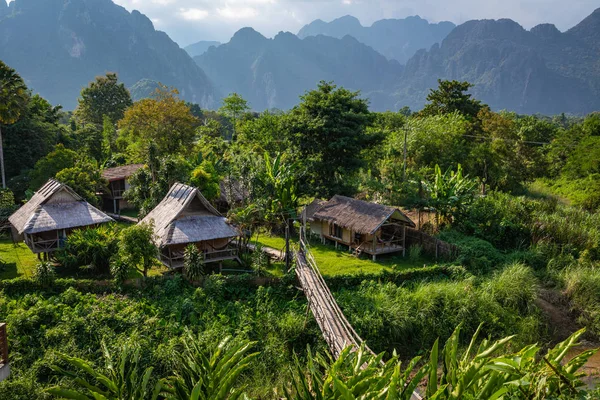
335	230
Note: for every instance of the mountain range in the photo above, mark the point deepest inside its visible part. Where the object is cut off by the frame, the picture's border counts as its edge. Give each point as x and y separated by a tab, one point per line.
58	46
199	48
396	39
273	73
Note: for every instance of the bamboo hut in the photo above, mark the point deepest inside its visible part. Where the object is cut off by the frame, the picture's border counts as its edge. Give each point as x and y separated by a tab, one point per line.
364	227
48	218
185	217
117	178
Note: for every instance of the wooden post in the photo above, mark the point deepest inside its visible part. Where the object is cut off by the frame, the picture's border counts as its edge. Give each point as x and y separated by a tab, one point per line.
287	245
3	344
404	243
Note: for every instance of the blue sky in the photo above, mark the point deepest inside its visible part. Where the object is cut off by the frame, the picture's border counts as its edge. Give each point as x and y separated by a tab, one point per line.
188	21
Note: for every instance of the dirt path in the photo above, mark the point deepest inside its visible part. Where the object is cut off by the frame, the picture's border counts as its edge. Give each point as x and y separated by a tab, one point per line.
562	324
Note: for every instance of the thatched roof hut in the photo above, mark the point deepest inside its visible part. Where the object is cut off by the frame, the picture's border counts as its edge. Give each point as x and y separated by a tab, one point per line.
55	206
356	215
185	216
121	172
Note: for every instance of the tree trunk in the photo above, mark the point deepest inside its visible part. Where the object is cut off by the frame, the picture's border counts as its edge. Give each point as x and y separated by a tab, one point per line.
2	160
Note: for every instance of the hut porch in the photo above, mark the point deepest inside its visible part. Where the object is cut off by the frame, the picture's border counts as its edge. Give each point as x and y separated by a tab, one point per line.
173	256
390	238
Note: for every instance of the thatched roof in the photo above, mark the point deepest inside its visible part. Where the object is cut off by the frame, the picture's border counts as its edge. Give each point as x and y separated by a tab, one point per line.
122	172
232	192
357	215
185	216
55	206
309	209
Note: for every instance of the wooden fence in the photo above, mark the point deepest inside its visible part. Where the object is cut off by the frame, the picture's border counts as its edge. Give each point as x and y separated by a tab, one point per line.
3	345
430	245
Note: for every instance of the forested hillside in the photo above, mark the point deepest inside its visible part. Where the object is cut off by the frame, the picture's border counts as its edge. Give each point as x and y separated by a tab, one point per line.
59	46
397	39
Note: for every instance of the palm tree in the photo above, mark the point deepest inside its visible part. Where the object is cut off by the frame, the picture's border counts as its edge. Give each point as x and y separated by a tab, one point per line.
13	99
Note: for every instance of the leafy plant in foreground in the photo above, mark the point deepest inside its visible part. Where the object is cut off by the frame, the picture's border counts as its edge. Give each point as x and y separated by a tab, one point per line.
44	273
120	379
213	376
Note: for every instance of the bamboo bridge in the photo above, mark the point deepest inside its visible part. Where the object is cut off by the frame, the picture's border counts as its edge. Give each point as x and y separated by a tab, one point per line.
336	329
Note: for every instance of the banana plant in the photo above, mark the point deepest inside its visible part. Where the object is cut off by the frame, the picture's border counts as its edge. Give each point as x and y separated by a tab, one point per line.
449	192
120	380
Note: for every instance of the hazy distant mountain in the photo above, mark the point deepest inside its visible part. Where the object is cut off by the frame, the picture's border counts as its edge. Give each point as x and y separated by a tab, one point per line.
273	73
58	46
200	47
396	39
541	70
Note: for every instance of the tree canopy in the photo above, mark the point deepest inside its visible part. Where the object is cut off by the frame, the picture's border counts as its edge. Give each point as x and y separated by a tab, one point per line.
104	96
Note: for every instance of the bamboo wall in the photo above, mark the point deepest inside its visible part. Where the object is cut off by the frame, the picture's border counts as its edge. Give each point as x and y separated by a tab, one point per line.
431	245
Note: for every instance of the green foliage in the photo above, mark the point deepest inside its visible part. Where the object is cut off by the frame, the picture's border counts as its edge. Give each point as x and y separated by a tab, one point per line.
206	178
234	106
449	192
327	132
354	375
47	167
137	248
85	179
476	254
209	376
122	377
44	274
104	96
279	189
451	96
164	120
415	252
91	248
260	260
193	263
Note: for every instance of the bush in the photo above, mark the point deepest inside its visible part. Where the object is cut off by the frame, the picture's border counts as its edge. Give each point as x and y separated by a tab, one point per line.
44	274
477	255
260	260
582	287
515	287
193	264
92	247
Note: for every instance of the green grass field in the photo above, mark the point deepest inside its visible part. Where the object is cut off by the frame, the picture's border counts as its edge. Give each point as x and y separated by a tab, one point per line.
17	259
334	262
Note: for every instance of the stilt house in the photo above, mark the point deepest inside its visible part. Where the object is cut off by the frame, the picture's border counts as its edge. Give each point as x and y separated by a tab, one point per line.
185	217
362	226
53	212
117	178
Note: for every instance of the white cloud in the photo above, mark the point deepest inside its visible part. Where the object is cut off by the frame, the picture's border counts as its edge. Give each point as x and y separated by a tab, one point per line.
237	12
193	14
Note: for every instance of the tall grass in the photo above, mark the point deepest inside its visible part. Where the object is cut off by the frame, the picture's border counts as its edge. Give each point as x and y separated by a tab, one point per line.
582	286
409	318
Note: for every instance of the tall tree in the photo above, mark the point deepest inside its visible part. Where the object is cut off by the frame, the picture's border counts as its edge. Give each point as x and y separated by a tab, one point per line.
103	96
451	96
234	106
13	100
327	130
165	120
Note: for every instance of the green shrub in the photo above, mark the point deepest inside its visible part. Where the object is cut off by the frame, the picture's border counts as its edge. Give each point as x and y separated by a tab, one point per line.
477	255
582	287
260	260
92	247
193	263
44	274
